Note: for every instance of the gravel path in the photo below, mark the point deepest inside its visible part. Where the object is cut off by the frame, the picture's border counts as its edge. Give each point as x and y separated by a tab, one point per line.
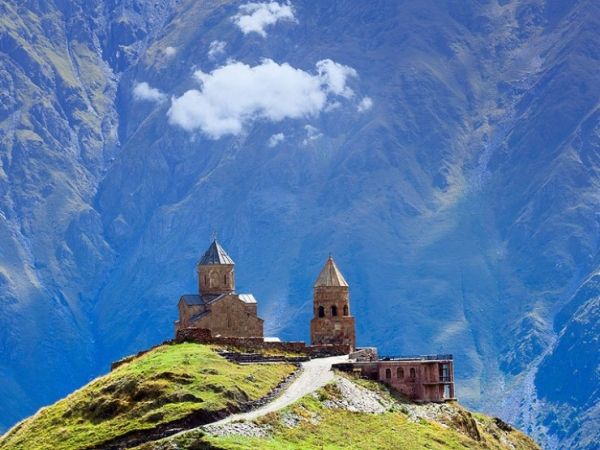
315	374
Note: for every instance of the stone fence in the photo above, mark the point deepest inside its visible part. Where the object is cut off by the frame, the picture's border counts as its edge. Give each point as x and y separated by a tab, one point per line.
203	336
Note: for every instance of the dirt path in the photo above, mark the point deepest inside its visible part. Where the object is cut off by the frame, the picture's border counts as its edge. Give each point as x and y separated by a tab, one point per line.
315	374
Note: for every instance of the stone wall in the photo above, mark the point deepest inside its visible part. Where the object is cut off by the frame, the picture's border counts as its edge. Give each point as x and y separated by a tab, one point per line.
332	323
364	354
318	351
231	317
204	336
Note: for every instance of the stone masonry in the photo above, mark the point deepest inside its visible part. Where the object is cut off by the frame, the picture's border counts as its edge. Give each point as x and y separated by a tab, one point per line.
217	307
332	323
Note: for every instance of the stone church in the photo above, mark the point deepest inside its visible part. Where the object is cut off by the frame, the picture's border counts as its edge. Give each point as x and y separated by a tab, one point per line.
219	314
332	323
217	307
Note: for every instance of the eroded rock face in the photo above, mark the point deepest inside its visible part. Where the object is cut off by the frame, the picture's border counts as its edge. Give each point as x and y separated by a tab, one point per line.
567	379
355	398
59	123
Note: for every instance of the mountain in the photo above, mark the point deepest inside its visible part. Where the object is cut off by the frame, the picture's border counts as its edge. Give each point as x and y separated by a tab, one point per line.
181	387
445	152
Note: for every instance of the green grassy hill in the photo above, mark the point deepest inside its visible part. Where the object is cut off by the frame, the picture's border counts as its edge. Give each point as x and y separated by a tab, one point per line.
173	383
164	385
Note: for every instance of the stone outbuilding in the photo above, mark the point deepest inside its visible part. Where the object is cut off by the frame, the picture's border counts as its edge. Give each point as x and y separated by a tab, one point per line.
428	378
332	323
217	307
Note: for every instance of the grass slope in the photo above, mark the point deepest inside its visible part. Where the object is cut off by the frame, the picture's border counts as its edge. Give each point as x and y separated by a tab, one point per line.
313	424
163	385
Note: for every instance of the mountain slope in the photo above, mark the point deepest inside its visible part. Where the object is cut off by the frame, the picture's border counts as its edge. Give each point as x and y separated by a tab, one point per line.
566	379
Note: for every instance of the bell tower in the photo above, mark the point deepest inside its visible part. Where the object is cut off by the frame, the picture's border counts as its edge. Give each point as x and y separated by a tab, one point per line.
332	323
216	273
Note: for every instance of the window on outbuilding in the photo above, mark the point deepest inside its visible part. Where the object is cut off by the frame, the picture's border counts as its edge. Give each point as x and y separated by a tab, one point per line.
334	310
388	373
413	373
321	311
400	373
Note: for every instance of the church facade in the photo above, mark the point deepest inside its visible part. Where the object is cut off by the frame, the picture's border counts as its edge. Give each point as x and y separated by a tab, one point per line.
332	323
217	306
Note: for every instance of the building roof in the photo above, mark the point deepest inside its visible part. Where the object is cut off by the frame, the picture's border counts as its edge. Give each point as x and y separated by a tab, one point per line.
247	298
215	255
331	275
191	299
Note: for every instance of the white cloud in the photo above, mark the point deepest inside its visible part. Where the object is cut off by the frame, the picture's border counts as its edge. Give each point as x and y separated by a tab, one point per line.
255	17
312	134
143	91
276	139
216	48
365	104
334	76
170	51
236	95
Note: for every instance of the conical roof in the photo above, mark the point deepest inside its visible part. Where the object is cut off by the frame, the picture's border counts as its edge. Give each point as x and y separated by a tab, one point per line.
330	275
215	255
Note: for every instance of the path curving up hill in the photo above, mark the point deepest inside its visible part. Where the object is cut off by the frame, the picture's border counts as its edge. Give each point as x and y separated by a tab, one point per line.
315	374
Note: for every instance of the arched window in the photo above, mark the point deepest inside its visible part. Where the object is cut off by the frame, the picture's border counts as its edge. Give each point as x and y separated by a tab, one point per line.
388	373
413	373
345	310
321	311
206	280
212	279
400	373
334	310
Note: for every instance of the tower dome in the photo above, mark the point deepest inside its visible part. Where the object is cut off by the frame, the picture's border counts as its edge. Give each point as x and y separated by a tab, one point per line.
216	273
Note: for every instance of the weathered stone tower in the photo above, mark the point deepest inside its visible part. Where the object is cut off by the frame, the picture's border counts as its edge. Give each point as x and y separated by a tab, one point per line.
332	323
216	274
217	309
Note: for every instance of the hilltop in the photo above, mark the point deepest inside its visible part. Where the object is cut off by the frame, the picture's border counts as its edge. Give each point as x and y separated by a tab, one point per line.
180	387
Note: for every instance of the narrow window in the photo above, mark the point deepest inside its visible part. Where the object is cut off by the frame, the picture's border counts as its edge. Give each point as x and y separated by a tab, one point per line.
413	373
334	310
206	280
444	372
345	310
388	373
446	393
400	373
321	311
225	278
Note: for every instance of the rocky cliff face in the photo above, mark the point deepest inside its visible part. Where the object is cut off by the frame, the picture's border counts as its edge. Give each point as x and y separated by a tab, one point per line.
567	378
460	199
